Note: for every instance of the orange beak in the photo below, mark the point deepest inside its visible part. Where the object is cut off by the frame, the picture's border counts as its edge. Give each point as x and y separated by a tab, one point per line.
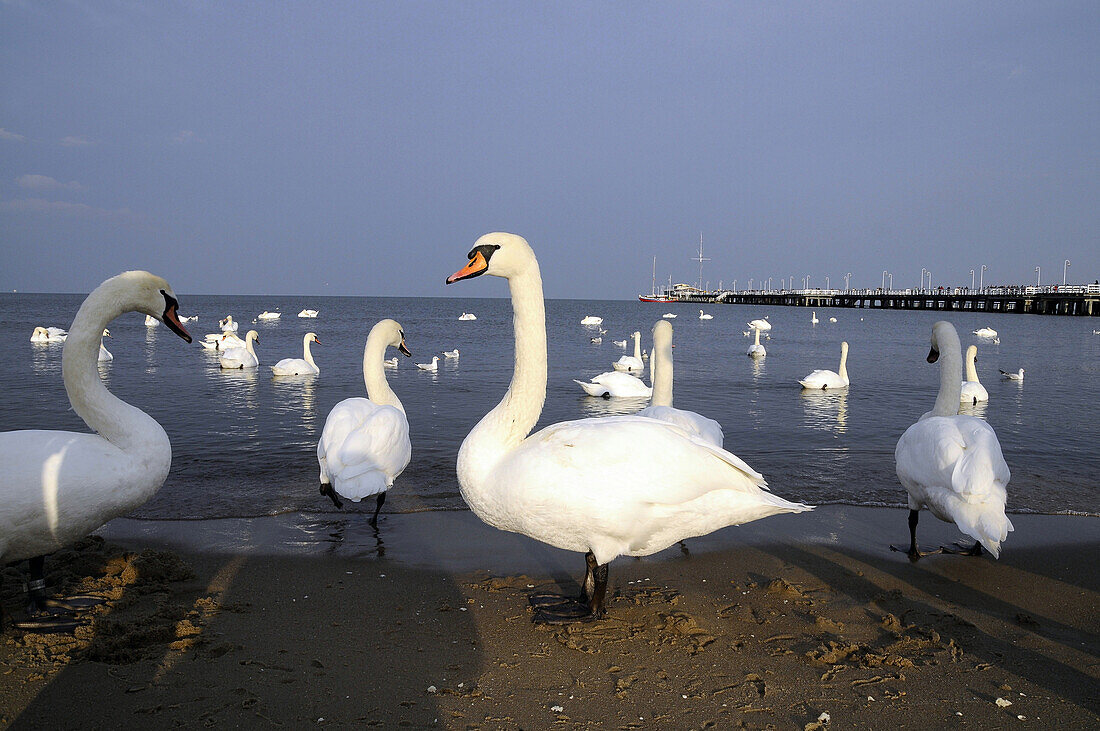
477	266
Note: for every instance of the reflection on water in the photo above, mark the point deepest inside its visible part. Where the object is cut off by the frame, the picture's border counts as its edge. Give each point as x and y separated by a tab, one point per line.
150	349
758	369
240	391
824	409
43	360
597	406
974	409
346	534
297	393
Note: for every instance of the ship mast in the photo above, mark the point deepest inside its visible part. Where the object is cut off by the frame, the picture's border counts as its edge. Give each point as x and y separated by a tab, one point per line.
653	283
700	258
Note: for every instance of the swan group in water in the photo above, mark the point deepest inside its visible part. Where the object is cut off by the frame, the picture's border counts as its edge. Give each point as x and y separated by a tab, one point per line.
242	357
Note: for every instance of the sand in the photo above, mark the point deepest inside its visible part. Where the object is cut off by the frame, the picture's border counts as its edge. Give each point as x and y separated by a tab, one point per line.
793	622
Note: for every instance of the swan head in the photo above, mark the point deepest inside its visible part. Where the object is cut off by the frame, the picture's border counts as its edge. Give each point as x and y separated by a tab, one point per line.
153	296
972	353
943	333
662	334
499	254
394	335
312	337
253	336
106	333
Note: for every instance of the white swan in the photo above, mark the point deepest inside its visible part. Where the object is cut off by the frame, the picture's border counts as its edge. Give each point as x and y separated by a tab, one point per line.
952	464
242	357
365	443
265	315
450	353
58	486
221	341
634	362
605	486
832	319
813	318
661	407
756	350
467	316
308	313
104	354
985	332
972	390
151	321
1017	376
595	341
760	325
615	384
592	320
620	343
192	318
227	325
391	363
299	366
669	316
705	316
431	367
48	335
826	379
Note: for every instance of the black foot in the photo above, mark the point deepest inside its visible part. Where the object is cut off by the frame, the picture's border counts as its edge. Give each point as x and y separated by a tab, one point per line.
50	623
961	549
546	599
567	612
331	493
914	554
77	603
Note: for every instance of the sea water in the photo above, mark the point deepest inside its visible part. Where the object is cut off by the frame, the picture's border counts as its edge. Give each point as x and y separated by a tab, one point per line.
244	442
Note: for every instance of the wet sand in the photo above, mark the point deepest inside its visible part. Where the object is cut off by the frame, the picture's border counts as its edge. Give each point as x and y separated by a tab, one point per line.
297	621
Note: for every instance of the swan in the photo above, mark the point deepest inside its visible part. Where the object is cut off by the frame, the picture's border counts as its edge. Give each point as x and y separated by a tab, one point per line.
467	316
705	316
604	486
952	464
669	316
303	366
308	313
151	321
242	357
616	384
984	332
365	443
826	379
450	353
185	318
660	366
595	341
391	363
104	354
813	318
756	350
49	335
972	390
432	367
620	343
592	320
760	324
1017	376
227	325
58	486
832	319
631	362
265	315
221	341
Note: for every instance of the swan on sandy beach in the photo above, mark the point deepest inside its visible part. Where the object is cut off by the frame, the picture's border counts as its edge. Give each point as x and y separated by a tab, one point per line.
705	316
48	335
242	357
431	367
660	407
972	390
365	443
1017	376
826	379
308	313
299	366
631	362
605	486
756	350
952	464
59	486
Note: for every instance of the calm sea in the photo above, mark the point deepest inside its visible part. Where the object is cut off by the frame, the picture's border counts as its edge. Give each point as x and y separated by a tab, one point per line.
244	443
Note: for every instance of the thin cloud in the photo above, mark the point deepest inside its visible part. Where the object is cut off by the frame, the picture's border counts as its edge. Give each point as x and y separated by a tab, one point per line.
45	182
75	141
13	137
64	208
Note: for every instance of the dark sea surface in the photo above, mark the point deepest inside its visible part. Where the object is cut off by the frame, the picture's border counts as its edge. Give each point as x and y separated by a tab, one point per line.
244	443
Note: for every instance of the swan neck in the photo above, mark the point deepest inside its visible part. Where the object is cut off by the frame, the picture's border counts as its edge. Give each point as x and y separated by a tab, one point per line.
947	402
306	354
844	361
661	376
971	369
118	422
638	346
374	372
757	342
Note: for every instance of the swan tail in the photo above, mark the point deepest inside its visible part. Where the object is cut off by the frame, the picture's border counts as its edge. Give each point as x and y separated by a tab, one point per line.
355	487
592	389
986	524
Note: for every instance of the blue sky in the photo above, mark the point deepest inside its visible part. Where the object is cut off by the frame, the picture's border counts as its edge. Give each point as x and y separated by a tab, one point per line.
360	148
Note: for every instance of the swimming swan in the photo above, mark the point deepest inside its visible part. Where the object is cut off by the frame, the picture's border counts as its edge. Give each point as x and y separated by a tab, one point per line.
760	325
48	335
704	316
365	443
985	332
104	354
952	464
308	313
299	366
826	379
660	366
227	325
615	384
972	390
58	486
604	486
756	350
813	318
631	362
242	357
265	315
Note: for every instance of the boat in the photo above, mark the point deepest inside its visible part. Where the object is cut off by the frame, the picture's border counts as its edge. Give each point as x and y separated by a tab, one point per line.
653	296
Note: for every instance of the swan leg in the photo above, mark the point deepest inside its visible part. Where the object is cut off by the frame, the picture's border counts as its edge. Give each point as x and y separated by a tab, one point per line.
378	507
50	615
326	489
568	611
914	553
963	550
550	599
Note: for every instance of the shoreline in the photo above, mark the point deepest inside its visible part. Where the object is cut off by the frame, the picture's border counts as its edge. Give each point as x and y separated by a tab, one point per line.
425	623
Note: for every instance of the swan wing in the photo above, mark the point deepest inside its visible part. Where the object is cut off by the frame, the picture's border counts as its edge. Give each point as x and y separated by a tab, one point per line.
363	447
708	430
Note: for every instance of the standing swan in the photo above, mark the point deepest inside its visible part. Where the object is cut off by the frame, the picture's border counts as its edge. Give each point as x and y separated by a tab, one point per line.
58	486
826	379
952	464
660	406
603	486
303	366
756	350
242	357
365	443
972	390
